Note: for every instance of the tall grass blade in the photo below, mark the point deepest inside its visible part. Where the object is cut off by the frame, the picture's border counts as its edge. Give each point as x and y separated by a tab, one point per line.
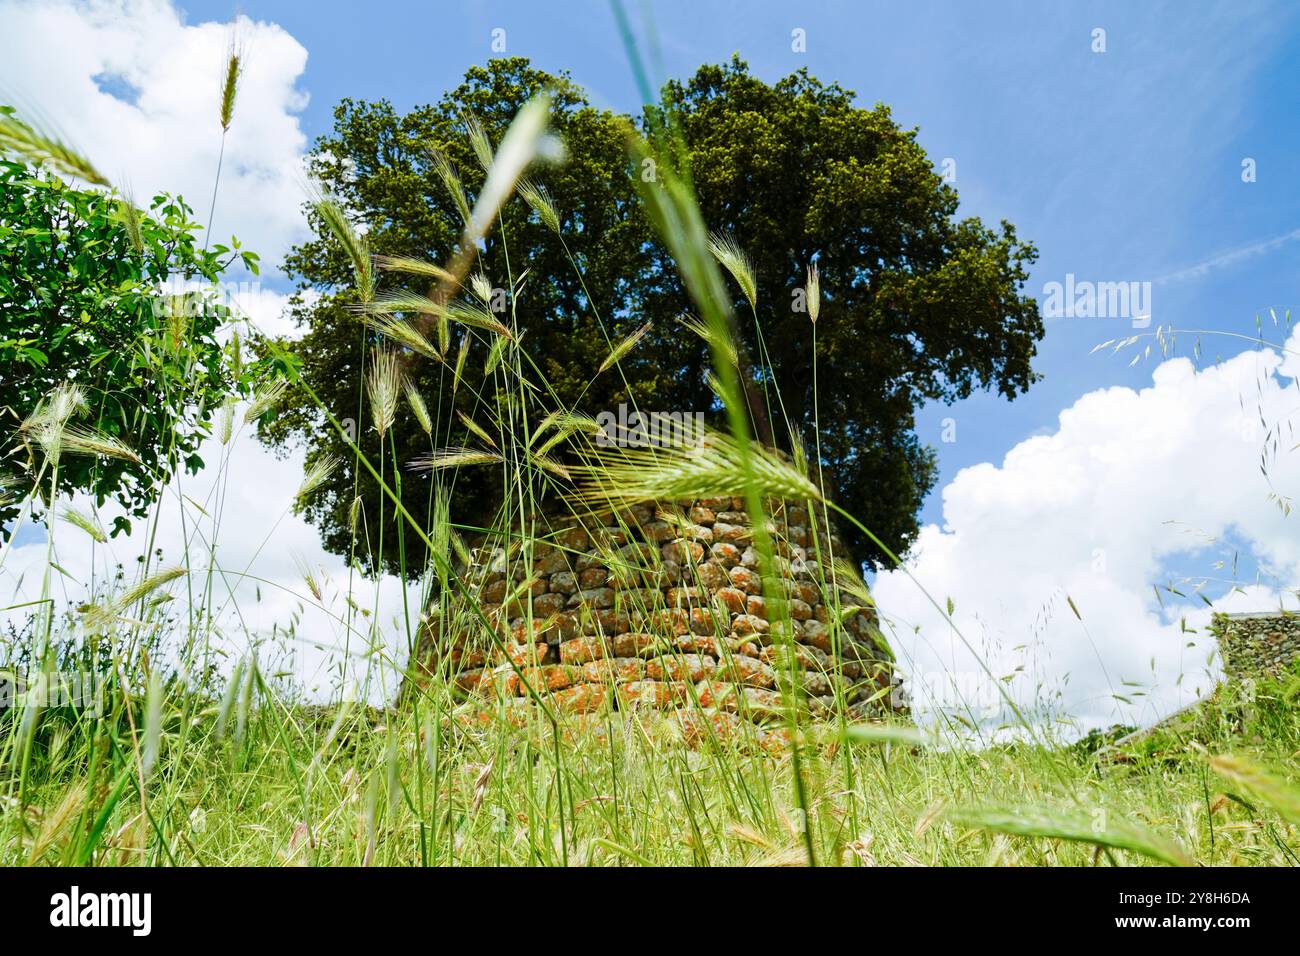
1100	828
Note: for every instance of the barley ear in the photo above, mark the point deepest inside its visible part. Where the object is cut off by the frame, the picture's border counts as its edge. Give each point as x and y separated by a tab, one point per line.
230	86
40	146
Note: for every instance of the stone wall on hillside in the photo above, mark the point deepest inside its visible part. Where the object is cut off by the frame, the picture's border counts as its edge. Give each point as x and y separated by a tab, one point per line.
662	606
1257	644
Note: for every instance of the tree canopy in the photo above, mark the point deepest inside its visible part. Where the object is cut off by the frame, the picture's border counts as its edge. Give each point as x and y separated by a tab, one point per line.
83	301
915	305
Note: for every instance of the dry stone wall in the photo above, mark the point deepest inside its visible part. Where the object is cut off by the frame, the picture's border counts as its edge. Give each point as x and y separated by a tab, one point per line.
662	606
1257	645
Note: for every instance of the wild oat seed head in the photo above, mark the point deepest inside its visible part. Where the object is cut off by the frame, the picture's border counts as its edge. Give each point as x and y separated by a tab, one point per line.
265	399
383	385
453	458
711	466
813	293
47	422
88	441
622	348
316	475
444	170
418	408
148	586
481	286
707	333
309	576
413	266
226	420
466	313
475	428
236	352
335	217
537	197
129	215
734	259
461	355
404	334
85	522
478	138
64	402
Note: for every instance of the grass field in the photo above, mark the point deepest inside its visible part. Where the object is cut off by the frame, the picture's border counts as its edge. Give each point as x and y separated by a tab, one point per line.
173	777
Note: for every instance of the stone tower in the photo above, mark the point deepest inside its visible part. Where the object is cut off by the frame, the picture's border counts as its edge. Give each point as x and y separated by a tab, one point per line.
1257	644
663	607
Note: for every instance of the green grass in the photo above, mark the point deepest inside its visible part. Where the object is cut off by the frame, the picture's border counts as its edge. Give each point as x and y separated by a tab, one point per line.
276	783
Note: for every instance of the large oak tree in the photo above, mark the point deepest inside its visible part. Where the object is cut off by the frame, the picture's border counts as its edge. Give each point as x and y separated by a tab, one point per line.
916	304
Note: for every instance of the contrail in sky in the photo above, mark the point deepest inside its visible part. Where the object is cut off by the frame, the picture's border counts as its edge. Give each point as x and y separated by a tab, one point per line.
1228	258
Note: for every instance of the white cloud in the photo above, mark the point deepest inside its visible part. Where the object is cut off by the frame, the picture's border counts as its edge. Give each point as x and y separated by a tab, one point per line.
242	502
265	310
1133	489
256	307
161	131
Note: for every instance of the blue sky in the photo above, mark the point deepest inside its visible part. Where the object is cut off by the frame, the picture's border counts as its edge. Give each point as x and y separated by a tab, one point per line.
1121	166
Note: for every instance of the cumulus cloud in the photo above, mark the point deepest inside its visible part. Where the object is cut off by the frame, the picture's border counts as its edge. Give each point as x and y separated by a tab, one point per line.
264	310
252	306
235	517
136	88
1133	491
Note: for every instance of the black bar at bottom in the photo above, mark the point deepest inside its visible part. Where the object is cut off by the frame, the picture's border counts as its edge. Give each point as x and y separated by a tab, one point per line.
473	907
